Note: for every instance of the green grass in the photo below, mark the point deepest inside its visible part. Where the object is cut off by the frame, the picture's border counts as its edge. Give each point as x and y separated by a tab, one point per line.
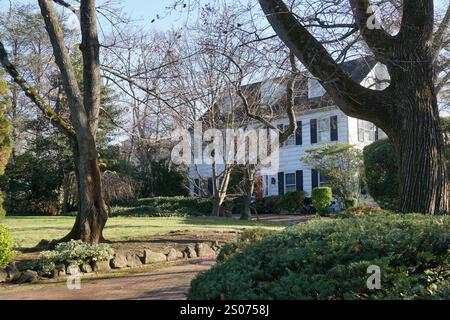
28	231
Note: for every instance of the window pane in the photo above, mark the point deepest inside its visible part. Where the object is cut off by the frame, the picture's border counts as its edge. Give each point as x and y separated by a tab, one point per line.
361	135
290	179
324	136
324	125
291	189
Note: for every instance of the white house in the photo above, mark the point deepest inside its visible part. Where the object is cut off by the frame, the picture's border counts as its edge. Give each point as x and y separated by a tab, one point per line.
321	122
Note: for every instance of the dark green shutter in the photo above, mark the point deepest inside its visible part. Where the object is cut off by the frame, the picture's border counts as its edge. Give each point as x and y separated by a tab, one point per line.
334	128
299	134
315	179
299	181
281	183
313	131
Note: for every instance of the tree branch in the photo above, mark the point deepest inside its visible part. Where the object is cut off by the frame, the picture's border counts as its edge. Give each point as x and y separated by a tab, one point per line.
62	59
441	34
377	38
417	23
354	99
31	93
90	49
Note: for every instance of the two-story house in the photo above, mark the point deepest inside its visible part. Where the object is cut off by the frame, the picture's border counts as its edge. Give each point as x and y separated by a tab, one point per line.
319	122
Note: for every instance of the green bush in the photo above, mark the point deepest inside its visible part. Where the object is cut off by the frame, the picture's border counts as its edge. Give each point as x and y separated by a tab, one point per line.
164	207
329	260
248	237
73	253
292	202
382	179
268	205
2	210
351	203
6	247
322	198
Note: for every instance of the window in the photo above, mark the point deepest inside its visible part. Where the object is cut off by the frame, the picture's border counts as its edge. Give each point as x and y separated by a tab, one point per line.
267	186
323	182
291	141
291	183
366	131
323	130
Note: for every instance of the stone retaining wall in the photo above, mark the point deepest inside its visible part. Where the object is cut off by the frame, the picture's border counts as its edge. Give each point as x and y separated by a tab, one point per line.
122	259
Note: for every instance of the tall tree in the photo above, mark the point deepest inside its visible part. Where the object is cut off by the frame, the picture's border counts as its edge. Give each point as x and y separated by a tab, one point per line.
5	129
84	105
407	110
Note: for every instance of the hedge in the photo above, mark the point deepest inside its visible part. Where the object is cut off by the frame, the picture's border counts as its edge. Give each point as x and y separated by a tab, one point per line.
329	260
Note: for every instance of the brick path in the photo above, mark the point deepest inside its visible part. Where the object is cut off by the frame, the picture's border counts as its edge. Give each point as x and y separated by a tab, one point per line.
171	283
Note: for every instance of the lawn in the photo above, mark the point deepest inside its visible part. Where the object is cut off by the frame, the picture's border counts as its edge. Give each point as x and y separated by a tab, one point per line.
28	231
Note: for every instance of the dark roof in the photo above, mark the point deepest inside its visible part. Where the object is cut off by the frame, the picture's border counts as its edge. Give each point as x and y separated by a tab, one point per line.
358	69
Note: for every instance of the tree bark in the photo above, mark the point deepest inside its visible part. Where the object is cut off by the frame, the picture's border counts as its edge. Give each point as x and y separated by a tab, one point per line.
420	146
92	209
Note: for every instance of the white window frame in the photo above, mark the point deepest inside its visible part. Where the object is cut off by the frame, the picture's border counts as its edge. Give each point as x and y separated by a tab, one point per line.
286	185
366	131
291	141
324	130
322	182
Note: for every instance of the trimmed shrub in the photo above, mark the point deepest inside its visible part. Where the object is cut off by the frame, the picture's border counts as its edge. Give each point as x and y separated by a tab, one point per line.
73	253
322	198
247	238
164	207
329	260
292	202
6	247
381	166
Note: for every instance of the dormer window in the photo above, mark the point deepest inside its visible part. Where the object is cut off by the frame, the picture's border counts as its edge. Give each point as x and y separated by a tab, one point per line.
315	89
271	91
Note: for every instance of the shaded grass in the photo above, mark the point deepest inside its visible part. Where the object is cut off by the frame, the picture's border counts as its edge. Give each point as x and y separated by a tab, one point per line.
29	231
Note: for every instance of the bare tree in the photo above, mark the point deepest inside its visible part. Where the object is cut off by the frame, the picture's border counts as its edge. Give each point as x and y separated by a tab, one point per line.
84	105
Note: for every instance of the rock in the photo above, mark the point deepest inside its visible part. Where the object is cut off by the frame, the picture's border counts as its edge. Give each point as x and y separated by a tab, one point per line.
204	250
174	255
86	268
133	260
102	266
3	276
28	276
191	252
154	257
58	273
13	273
119	261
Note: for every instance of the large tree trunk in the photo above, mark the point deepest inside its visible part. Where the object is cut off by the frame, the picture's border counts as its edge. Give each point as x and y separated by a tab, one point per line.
420	145
92	210
216	207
